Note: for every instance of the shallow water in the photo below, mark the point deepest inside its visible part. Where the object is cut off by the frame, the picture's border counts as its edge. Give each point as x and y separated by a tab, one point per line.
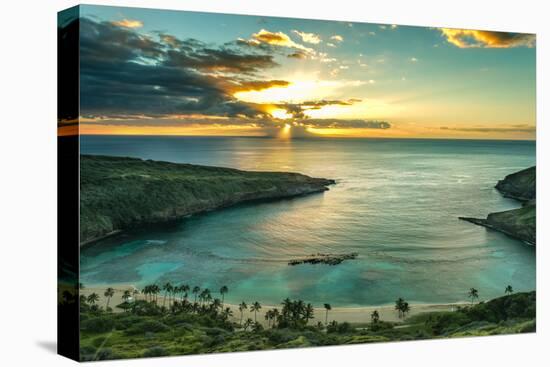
396	203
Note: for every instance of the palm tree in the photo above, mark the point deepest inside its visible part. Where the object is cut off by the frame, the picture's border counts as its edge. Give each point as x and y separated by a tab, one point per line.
473	294
167	288
268	316
328	308
205	296
126	295
243	306
196	290
375	317
275	315
135	293
175	292
405	308
227	313
508	290
184	288
248	323
308	312
155	290
93	298
216	304
399	306
223	291
256	306
109	292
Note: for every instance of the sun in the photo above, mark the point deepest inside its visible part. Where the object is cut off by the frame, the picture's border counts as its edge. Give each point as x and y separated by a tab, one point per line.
280	113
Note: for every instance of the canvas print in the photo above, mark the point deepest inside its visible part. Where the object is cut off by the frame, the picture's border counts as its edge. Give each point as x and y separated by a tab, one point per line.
240	183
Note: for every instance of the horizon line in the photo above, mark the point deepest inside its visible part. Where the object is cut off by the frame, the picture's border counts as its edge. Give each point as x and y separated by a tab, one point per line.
313	137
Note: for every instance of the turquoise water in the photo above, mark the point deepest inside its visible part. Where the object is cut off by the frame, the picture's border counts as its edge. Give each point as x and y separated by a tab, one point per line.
396	203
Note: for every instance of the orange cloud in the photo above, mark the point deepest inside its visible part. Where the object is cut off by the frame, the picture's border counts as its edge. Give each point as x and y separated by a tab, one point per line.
128	23
468	38
277	39
258	85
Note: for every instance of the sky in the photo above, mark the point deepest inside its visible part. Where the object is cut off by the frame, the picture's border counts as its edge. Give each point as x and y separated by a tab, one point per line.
161	72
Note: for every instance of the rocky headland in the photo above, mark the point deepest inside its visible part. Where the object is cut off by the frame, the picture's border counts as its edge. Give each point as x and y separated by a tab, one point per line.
119	193
518	223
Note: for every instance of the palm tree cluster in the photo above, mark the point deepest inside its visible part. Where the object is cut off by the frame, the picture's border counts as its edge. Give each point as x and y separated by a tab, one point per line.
175	300
272	316
402	307
295	314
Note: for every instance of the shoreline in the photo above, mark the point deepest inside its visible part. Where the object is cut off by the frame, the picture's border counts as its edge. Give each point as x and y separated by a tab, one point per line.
353	314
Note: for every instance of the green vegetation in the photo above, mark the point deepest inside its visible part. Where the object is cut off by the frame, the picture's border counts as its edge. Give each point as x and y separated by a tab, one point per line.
519	185
119	193
519	223
147	328
402	307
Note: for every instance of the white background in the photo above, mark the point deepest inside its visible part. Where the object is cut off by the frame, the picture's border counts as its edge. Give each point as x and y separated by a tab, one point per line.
28	181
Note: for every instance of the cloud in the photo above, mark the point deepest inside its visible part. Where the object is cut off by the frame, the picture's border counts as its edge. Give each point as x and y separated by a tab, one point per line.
467	38
308	37
130	78
278	39
123	72
298	110
484	129
413	59
347	124
297	55
128	23
337	38
256	85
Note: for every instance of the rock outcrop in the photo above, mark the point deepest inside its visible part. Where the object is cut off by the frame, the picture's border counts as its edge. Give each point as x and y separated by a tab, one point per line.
328	259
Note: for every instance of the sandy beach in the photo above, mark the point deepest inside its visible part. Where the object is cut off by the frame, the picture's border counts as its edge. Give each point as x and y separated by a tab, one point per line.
340	314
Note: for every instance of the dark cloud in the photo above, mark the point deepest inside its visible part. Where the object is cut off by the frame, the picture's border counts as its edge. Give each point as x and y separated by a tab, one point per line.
130	78
298	110
124	72
297	55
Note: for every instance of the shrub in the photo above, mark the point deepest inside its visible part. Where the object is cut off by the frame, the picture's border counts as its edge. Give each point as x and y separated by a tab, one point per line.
441	322
155	352
279	336
99	324
148	326
340	328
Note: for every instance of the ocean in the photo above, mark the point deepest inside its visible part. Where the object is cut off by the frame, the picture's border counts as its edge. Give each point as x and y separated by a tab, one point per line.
395	203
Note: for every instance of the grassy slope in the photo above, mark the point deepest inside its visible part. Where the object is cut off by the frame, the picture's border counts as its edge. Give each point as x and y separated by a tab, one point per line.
130	336
520	185
119	193
519	223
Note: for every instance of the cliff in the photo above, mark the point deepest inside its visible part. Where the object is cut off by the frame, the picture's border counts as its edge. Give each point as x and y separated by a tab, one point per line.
521	185
518	223
122	193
